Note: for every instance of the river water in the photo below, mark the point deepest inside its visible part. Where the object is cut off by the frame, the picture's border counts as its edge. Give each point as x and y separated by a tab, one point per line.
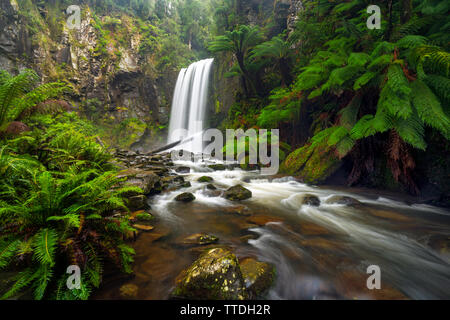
318	252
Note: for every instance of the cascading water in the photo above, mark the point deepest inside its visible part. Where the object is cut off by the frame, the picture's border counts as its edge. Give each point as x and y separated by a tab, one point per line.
189	106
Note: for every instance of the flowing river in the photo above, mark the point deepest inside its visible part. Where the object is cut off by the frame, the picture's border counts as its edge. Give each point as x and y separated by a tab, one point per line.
319	252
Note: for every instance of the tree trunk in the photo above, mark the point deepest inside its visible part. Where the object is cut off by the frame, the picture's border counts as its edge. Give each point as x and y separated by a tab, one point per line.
407	10
389	29
286	77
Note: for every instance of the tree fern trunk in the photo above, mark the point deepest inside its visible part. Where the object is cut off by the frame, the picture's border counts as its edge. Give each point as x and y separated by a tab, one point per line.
407	10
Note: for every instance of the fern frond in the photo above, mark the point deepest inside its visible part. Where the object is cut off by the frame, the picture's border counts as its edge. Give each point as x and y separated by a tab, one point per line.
429	108
45	242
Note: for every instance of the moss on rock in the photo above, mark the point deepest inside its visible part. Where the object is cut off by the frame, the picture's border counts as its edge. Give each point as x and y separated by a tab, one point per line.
216	275
312	165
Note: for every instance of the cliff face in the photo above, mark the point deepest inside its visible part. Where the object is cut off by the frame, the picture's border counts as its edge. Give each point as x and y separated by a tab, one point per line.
102	71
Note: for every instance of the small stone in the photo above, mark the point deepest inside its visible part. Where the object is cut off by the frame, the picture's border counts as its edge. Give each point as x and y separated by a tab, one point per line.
200	239
142	227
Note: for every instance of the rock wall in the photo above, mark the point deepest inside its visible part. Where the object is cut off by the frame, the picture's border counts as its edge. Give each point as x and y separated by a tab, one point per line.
122	85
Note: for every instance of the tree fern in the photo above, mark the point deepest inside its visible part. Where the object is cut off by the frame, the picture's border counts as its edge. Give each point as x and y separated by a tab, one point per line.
429	108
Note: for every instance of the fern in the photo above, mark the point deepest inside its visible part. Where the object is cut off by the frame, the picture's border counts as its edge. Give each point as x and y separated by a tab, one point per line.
45	243
429	108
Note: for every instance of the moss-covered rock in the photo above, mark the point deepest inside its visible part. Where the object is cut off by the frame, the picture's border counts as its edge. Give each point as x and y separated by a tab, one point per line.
137	202
148	181
312	165
185	197
218	167
216	275
211	187
205	179
258	276
238	193
200	239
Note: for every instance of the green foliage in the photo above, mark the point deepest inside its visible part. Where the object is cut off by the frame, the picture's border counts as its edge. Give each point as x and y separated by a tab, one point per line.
356	85
58	196
19	93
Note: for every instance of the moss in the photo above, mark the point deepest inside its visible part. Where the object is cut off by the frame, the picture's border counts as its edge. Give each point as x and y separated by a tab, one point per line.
312	165
205	179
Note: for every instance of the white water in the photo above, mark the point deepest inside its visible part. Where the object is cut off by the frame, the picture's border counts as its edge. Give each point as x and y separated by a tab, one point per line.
364	237
189	106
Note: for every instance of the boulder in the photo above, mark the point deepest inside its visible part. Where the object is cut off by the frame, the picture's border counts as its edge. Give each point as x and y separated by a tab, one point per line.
205	179
148	181
211	187
218	167
348	201
183	170
258	276
216	275
238	193
311	200
185	197
137	202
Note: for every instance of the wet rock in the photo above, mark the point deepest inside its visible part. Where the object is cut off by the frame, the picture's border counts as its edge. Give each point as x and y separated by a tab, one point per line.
187	184
144	217
129	291
137	202
217	167
183	170
216	275
258	276
211	187
185	197
140	215
311	200
148	181
200	239
205	179
238	193
348	201
142	227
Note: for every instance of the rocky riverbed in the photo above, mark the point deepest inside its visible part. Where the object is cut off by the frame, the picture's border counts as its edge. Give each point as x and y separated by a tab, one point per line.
213	231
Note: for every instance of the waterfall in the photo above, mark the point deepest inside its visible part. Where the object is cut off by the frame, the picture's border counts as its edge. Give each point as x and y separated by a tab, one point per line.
189	105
